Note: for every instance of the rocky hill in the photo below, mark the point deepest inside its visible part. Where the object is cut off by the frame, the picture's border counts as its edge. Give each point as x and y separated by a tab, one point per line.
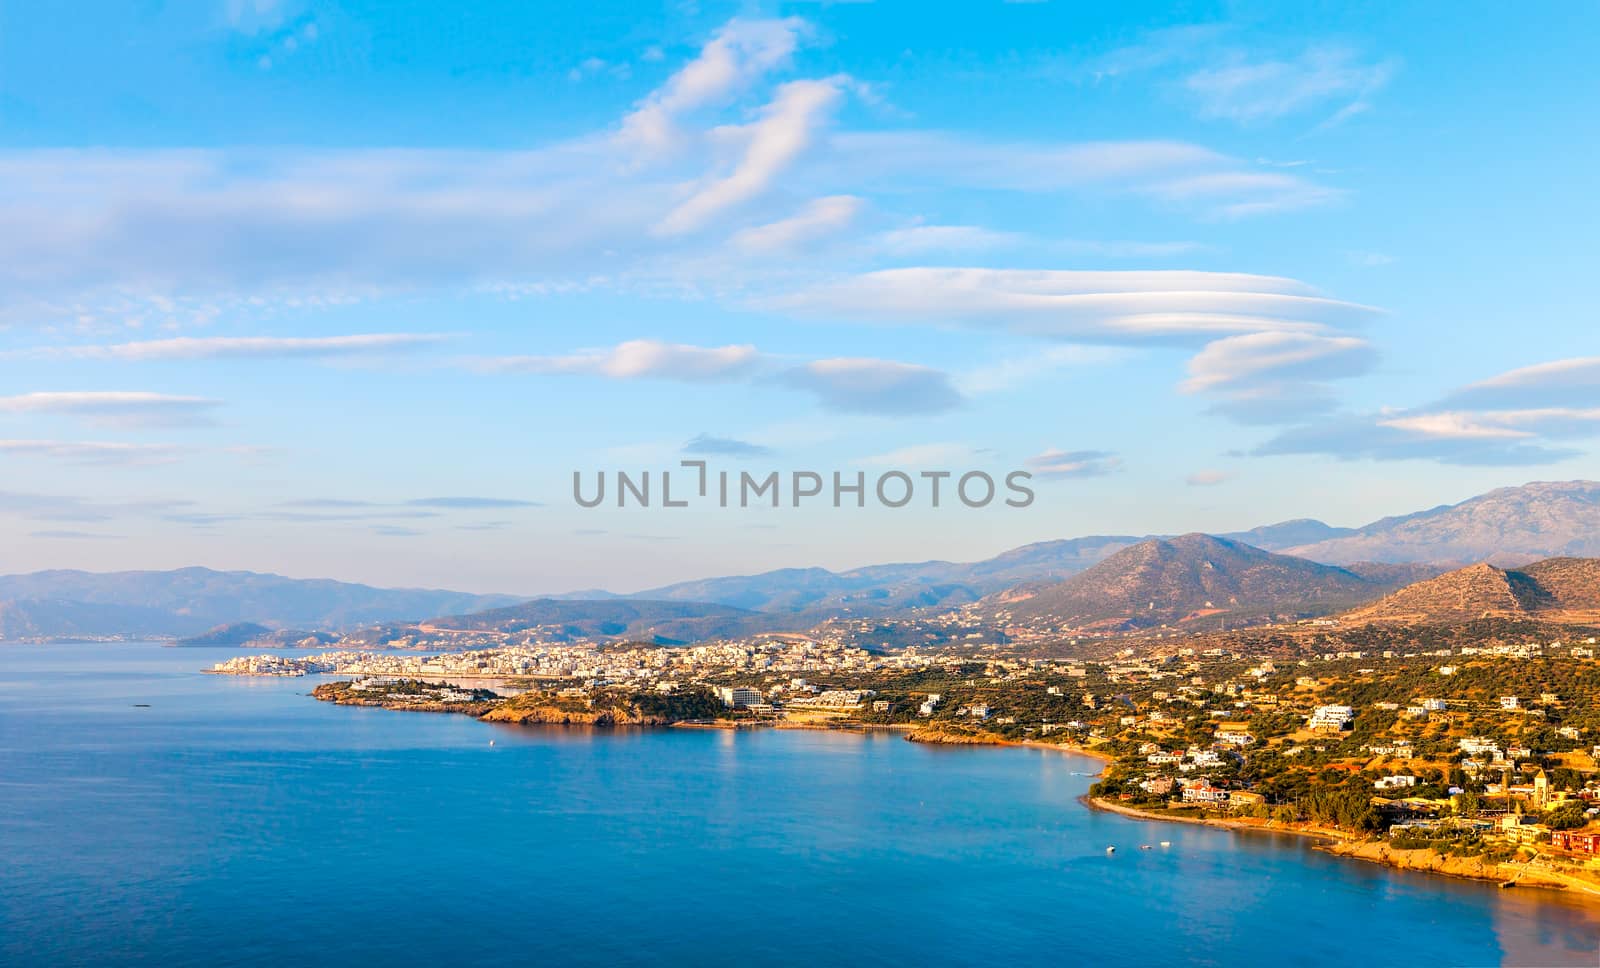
1555	590
1194	581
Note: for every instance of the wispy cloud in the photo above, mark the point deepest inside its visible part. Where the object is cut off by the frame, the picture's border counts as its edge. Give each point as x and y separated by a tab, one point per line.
735	57
875	386
923	239
454	503
75	536
1226	76
847	385
1259	335
640	359
819	218
786	128
1207	478
94	452
118	408
1525	416
704	170
471	503
1274	377
1154	307
66	507
1248	91
705	445
246	347
1063	464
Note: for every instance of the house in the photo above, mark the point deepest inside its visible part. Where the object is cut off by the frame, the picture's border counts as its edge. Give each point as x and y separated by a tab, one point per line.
1158	785
1234	734
1245	798
1202	791
1395	782
1574	842
1332	717
1510	702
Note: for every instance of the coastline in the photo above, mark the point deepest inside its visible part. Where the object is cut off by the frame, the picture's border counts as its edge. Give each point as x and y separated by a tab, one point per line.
1329	840
1341	843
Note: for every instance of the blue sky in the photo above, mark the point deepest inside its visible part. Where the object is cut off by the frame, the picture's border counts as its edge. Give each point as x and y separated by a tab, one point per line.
351	289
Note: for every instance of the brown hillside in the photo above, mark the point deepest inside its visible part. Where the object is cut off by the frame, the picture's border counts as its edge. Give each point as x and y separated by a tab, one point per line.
1558	589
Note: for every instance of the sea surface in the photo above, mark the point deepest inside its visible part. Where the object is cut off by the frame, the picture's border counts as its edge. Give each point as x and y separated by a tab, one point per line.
151	814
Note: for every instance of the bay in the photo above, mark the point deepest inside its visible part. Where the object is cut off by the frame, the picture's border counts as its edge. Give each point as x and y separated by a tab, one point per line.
150	814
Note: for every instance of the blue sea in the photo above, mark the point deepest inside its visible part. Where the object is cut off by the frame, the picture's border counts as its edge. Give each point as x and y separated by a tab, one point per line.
151	814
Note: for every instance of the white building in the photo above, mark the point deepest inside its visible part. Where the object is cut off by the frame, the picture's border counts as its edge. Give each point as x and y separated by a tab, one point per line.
1396	782
1332	717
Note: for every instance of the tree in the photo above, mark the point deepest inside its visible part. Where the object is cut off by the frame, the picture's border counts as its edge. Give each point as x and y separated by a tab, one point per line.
1567	816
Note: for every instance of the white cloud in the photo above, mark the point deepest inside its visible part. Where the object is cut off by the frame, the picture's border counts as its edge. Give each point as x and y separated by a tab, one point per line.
1175	172
686	186
1207	478
93	452
1523	416
853	385
819	218
735	57
1254	358
1238	194
248	347
112	407
708	445
856	385
1499	424
1269	342
922	239
1574	381
642	359
771	144
1063	464
1170	307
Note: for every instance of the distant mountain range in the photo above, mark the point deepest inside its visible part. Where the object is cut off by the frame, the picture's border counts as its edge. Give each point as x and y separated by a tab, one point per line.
191	600
1511	525
1507	527
1190	582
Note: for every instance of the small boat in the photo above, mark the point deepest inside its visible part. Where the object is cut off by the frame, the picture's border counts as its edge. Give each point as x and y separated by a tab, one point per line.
1144	846
491	742
1111	850
1166	843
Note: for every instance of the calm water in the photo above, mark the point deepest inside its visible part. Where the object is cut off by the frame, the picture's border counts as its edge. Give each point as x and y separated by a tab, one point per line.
236	821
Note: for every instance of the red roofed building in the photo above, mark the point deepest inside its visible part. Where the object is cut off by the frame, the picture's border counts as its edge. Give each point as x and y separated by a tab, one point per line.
1575	843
